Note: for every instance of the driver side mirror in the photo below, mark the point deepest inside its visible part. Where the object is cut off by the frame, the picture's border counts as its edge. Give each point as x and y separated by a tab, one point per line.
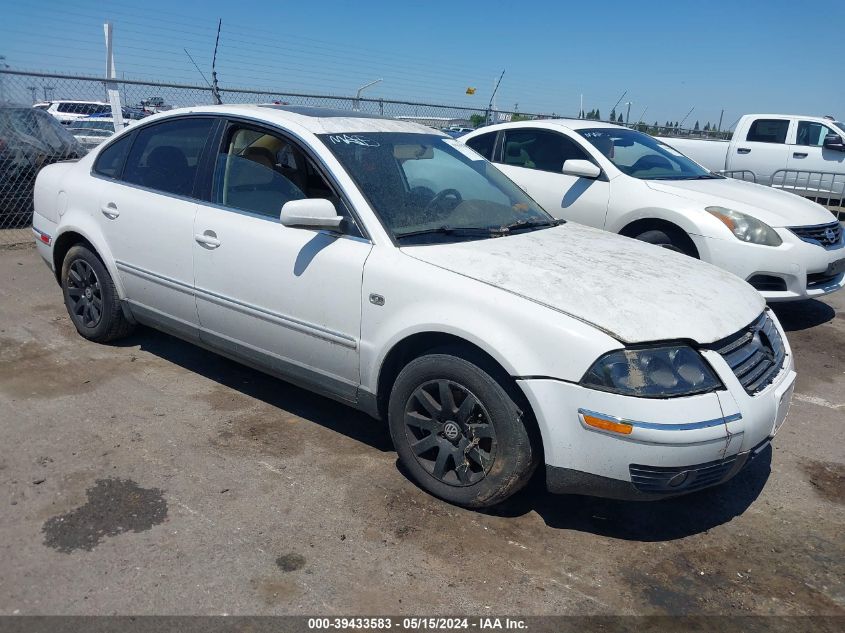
581	168
310	213
834	141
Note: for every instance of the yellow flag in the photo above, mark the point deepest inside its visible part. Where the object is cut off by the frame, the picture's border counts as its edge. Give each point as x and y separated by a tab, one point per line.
470	91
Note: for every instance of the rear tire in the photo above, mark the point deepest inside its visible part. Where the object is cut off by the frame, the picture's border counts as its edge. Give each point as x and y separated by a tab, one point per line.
458	432
91	298
670	239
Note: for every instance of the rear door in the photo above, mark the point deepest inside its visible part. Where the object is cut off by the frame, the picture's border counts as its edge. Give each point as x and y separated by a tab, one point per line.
147	209
533	158
287	299
763	149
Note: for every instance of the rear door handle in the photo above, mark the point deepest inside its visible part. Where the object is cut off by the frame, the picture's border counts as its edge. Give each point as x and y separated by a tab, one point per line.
110	210
799	154
208	239
743	150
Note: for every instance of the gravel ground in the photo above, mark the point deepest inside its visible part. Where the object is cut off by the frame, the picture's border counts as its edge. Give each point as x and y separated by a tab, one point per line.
153	477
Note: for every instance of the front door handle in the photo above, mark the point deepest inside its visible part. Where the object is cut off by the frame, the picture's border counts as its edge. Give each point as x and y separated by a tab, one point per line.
743	150
110	210
799	154
208	239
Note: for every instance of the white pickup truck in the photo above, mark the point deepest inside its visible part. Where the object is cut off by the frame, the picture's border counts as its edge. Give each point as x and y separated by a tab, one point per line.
804	154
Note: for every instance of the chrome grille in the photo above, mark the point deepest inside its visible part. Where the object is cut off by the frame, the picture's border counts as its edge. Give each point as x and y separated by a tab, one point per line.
826	235
755	354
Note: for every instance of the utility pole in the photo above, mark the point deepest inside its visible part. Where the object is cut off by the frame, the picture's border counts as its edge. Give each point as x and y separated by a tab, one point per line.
628	116
48	89
581	109
3	66
681	124
719	127
111	86
34	91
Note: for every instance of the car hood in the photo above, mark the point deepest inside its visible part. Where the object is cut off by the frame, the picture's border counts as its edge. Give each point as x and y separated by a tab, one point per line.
774	207
631	290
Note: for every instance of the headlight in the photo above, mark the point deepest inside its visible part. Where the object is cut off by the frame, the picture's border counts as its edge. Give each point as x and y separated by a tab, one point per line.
659	372
745	227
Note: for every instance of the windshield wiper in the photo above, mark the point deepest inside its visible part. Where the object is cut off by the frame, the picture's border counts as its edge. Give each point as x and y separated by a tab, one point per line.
529	224
451	230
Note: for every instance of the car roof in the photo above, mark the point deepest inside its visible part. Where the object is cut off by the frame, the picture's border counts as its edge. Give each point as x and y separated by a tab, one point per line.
314	119
571	124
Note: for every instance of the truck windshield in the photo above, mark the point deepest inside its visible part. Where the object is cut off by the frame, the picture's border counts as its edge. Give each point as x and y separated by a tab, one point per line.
641	156
427	187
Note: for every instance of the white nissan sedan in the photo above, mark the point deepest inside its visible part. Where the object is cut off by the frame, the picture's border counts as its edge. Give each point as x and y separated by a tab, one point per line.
630	183
386	265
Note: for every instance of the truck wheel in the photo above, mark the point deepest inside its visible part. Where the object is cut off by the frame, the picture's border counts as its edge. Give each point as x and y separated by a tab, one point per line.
458	432
91	298
670	239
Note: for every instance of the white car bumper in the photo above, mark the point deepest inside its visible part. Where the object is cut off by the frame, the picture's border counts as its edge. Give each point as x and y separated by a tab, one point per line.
794	270
676	445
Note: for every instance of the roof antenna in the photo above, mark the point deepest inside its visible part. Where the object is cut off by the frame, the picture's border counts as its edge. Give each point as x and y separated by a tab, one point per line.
197	67
215	90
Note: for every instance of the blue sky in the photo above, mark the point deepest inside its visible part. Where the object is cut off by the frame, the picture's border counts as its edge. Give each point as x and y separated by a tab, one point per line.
745	56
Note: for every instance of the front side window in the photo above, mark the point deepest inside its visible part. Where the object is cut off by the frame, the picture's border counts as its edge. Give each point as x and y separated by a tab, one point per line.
165	156
768	131
540	149
426	186
484	144
642	156
812	133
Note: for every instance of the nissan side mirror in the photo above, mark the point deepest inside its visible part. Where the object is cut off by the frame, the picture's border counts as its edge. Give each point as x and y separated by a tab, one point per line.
311	213
581	168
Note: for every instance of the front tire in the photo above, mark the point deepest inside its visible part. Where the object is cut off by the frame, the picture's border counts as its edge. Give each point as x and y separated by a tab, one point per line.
91	298
670	239
458	432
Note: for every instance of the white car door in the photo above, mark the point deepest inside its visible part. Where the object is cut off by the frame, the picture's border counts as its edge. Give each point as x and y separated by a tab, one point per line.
285	298
147	213
763	151
808	154
533	159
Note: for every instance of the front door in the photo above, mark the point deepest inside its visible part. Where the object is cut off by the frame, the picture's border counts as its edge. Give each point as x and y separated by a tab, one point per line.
533	158
763	151
284	298
826	167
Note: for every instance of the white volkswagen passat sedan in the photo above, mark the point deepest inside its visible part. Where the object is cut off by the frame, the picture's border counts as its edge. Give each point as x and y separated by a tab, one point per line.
386	265
627	182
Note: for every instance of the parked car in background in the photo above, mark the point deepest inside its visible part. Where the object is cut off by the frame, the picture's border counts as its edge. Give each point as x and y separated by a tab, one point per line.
67	112
765	144
29	140
627	182
91	131
386	265
456	131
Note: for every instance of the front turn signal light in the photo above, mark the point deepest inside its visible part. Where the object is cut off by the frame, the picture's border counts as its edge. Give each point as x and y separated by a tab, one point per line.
607	425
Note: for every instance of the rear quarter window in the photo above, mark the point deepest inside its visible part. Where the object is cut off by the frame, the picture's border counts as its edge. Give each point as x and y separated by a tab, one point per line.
110	161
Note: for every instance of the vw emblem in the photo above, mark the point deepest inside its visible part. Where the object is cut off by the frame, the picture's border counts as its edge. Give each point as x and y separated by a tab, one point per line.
451	431
830	234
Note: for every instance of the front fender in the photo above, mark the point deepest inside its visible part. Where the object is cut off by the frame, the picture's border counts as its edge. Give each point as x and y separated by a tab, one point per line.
524	337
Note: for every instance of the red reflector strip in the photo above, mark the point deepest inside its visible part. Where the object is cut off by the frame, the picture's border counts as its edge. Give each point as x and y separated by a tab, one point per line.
45	238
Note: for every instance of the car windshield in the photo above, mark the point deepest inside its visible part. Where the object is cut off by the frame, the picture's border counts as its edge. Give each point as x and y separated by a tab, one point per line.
428	187
642	156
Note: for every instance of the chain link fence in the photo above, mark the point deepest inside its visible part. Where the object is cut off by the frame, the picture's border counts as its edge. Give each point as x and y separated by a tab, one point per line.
81	105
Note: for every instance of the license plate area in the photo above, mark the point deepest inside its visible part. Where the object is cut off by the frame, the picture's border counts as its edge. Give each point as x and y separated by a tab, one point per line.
835	268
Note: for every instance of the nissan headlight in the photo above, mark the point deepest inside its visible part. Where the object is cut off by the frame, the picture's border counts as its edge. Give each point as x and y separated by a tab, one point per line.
658	372
745	227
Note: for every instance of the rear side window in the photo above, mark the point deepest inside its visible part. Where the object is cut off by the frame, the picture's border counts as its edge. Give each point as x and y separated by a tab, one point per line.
484	144
110	161
165	156
768	131
540	149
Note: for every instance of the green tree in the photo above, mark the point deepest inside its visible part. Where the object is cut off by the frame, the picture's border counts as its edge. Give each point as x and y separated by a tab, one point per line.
598	115
477	120
696	128
613	115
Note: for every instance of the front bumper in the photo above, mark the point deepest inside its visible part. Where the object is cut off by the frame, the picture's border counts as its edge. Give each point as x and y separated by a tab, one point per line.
710	437
797	265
